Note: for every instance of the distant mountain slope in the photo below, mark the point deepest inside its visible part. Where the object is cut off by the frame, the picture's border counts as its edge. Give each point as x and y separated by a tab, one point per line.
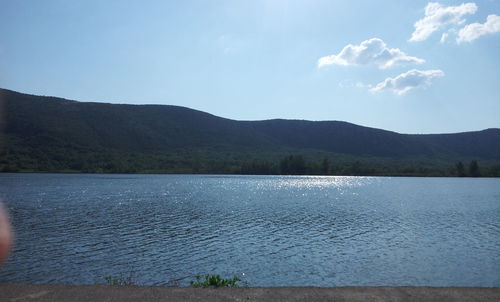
342	137
480	144
35	123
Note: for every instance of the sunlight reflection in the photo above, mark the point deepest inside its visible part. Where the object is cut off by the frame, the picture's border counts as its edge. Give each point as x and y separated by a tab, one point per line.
323	181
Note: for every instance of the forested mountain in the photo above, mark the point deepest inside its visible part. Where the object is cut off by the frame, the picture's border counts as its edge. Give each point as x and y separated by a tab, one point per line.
53	134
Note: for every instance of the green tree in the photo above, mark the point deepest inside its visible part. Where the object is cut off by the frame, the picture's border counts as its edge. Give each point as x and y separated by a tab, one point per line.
293	165
494	171
325	166
460	169
474	169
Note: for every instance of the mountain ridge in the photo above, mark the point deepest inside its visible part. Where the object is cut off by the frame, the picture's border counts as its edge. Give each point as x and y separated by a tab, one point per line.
61	127
5	90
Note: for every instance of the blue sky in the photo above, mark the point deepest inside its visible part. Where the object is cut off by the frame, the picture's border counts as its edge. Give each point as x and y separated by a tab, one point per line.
411	67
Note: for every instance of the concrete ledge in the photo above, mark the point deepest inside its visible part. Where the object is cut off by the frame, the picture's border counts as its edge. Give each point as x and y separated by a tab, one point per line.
48	292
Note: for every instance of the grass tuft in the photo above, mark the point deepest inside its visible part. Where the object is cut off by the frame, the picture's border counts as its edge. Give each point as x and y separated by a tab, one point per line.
214	280
111	280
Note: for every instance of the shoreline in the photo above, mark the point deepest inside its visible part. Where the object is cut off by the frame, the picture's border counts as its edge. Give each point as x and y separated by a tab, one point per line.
13	292
240	174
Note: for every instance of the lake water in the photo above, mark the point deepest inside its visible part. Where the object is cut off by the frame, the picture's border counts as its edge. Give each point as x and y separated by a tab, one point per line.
268	230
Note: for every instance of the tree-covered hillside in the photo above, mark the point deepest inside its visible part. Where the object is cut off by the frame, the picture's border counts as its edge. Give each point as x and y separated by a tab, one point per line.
53	134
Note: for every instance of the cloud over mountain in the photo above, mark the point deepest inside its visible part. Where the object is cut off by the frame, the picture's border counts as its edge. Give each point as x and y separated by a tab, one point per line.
370	52
407	81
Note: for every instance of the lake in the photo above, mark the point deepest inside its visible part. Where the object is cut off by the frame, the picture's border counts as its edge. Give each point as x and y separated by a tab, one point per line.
267	230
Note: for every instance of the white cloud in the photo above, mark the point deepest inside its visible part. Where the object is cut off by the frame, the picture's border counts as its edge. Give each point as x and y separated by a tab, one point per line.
370	52
437	16
475	30
408	81
443	37
351	84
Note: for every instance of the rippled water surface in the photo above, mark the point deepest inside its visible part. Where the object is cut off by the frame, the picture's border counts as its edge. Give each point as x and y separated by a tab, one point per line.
268	230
